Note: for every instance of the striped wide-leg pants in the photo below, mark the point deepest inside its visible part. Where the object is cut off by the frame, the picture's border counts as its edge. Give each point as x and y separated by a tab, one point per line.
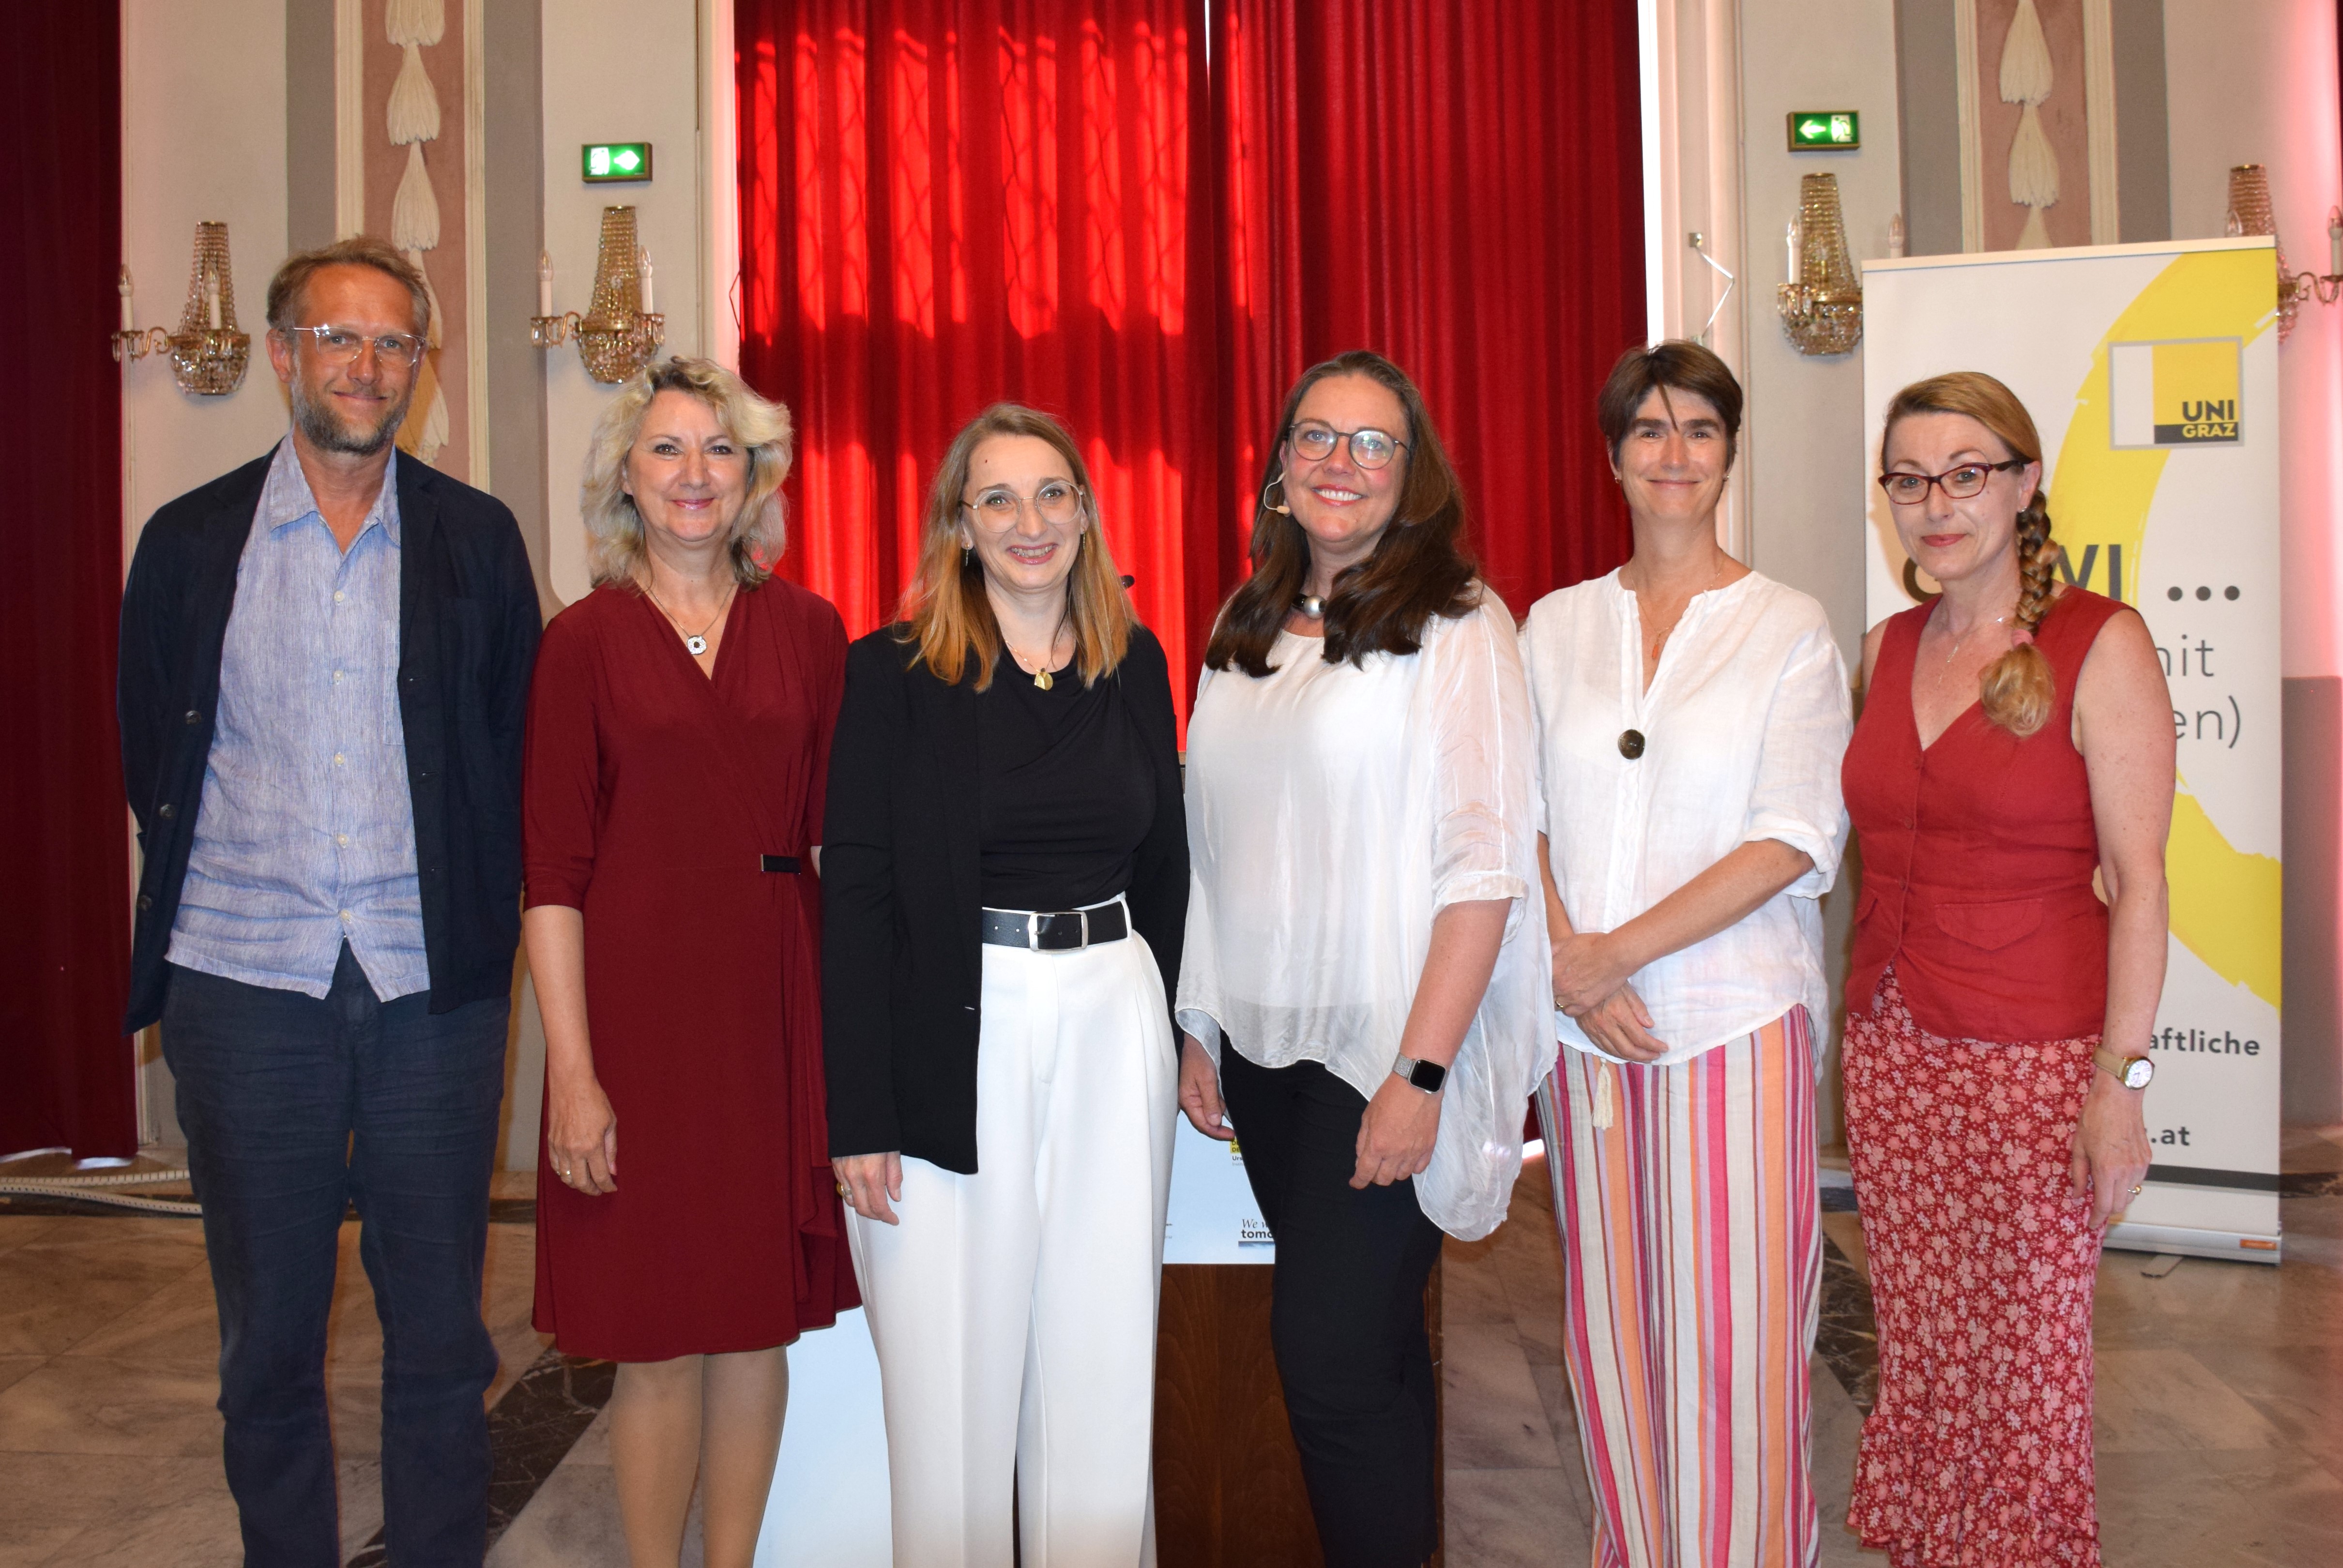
1691	1278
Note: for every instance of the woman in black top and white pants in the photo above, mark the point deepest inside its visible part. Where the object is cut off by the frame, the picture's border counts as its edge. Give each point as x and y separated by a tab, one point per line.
1005	877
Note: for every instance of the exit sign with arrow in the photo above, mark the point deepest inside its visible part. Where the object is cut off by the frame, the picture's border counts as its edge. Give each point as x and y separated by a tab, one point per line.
1825	130
607	162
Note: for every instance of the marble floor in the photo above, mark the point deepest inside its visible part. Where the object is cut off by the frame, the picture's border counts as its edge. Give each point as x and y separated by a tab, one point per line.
2220	1396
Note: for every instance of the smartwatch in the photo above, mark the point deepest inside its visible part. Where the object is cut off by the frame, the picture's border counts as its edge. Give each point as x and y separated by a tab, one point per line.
2131	1072
1428	1076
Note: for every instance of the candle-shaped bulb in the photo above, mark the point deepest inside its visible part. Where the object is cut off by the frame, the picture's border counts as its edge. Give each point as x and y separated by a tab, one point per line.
643	274
2334	242
1790	248
122	288
212	300
1896	241
544	282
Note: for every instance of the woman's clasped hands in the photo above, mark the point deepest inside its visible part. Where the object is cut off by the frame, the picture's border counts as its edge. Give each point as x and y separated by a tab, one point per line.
1591	973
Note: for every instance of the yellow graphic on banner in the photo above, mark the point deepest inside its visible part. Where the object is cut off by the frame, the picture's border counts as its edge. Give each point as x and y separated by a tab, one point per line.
2224	902
2182	394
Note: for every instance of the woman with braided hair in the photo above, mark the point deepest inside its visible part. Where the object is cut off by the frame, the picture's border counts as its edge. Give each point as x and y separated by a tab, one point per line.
2014	743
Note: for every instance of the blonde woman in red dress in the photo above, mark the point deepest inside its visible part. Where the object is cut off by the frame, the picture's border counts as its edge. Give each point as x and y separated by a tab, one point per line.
2015	740
677	752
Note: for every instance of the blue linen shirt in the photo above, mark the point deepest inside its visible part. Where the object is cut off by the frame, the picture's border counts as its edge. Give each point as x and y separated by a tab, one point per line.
305	835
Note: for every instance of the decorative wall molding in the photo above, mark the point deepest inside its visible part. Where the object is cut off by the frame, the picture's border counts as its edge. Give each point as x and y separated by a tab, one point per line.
349	117
2099	106
476	244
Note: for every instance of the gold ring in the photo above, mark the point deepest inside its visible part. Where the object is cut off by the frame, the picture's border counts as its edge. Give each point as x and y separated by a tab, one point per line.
2135	1189
841	1189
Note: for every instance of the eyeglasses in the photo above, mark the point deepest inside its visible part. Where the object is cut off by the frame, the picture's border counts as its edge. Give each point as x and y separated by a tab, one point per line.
1369	448
340	345
1057	501
1958	484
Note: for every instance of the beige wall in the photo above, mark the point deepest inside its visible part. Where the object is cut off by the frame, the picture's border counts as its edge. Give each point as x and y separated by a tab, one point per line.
614	70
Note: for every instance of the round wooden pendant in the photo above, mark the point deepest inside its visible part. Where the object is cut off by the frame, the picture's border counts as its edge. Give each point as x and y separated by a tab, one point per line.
1631	744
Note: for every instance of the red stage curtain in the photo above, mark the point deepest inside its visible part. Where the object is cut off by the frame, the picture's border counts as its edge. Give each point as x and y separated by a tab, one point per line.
945	203
65	1069
1459	188
1069	202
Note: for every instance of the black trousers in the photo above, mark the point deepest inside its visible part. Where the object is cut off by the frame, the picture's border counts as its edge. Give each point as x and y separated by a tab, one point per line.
1346	1314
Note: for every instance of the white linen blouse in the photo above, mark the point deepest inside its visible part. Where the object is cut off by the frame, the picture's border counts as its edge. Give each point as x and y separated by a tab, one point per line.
1334	810
1743	726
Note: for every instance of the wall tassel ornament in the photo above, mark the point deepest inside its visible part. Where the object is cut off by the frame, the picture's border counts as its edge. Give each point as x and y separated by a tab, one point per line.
414	114
411	119
423	21
2026	81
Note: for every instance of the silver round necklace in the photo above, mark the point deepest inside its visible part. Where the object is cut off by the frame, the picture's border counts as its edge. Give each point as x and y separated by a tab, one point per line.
1312	605
694	642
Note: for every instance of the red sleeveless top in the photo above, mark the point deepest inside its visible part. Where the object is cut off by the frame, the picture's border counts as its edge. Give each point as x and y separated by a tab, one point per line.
1977	852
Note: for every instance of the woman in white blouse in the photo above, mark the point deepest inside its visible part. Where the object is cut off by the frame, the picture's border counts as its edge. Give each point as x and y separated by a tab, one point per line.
1691	714
1364	986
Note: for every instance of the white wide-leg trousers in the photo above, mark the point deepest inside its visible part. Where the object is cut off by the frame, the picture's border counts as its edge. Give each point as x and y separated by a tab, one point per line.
1014	1310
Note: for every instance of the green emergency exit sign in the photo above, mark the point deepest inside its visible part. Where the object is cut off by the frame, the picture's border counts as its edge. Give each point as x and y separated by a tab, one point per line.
1825	130
607	163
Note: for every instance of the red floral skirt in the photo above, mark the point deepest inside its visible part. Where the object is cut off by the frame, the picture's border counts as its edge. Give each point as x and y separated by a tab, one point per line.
1982	1268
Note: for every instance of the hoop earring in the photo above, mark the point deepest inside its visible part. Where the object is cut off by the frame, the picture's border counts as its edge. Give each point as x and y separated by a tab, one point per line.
1279	507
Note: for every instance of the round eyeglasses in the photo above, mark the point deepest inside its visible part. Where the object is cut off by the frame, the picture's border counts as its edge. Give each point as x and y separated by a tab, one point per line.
1370	448
1058	503
340	345
1958	484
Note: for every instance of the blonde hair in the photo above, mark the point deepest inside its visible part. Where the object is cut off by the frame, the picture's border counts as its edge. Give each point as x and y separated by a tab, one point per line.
614	529
945	609
2018	691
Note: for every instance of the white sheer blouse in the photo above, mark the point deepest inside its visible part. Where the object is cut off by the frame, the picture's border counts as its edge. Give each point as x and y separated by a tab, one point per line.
1332	811
1743	726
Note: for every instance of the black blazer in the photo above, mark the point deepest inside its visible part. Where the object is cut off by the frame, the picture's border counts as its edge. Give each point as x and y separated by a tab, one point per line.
468	629
901	951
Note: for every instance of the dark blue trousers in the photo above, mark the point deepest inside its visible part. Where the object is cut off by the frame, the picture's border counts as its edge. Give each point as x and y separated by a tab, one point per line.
296	1108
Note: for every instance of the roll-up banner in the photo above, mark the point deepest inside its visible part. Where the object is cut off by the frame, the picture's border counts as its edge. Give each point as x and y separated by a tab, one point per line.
2151	372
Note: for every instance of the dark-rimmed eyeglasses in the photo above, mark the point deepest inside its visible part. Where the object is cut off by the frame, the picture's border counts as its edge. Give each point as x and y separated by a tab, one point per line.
1370	448
340	345
1958	484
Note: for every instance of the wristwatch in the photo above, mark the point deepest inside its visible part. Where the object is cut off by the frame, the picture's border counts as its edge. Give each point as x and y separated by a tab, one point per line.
1428	1076
2131	1072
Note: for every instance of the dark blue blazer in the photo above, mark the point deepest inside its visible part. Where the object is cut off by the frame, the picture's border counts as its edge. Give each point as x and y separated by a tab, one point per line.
467	627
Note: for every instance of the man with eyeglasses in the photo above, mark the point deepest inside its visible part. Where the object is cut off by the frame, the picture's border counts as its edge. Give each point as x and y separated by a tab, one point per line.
325	666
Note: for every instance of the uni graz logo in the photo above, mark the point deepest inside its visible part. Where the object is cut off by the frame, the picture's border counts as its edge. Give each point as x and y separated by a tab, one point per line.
2182	393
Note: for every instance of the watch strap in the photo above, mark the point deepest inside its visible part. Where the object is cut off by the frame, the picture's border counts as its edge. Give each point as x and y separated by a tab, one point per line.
2118	1067
1428	1076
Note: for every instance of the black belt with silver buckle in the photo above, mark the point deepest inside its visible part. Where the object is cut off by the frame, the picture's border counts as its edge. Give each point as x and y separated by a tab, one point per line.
786	864
1058	931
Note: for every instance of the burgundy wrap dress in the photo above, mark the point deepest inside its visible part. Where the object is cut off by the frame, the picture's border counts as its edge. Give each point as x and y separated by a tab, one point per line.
654	792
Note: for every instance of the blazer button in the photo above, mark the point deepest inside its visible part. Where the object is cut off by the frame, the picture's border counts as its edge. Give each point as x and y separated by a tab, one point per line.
145	900
167	811
192	719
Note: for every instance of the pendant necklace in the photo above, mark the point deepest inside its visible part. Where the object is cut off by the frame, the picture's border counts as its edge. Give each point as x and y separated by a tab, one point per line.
1312	605
1041	677
1955	650
696	642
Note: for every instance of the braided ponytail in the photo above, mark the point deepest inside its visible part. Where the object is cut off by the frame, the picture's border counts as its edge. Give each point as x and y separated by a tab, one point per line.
2018	691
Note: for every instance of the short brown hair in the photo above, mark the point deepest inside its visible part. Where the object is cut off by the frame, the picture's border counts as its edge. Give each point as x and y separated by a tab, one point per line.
1678	365
945	610
1421	566
292	280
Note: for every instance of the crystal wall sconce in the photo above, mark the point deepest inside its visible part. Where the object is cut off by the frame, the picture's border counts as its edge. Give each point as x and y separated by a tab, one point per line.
2249	213
208	354
1821	303
620	329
